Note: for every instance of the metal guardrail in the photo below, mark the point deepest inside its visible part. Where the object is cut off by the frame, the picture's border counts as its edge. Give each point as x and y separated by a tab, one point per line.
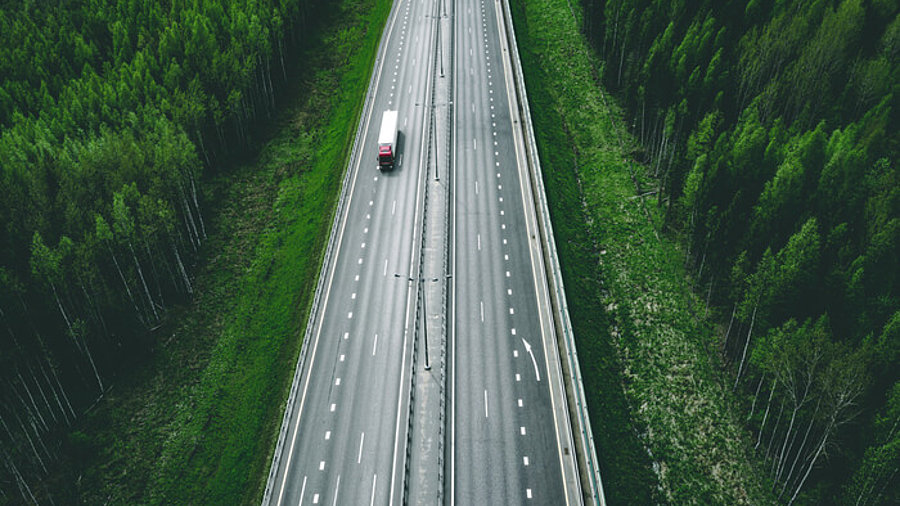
590	469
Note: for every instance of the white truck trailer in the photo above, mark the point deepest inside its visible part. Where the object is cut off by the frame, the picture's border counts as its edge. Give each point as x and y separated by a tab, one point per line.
387	140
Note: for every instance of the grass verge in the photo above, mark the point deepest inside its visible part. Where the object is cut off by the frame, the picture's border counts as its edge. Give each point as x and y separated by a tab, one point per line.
663	422
196	422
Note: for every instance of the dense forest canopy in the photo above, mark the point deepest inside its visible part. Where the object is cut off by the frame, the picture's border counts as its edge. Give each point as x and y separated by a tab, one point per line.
109	112
772	127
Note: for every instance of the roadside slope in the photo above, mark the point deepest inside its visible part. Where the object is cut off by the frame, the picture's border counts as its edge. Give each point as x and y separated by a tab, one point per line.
648	362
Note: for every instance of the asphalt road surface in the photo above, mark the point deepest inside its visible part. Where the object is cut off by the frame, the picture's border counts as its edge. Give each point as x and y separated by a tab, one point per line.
346	433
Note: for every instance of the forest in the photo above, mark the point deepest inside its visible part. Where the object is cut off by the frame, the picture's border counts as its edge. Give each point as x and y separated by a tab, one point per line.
110	111
771	128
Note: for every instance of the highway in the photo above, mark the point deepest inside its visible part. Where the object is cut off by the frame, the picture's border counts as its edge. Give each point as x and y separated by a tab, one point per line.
354	422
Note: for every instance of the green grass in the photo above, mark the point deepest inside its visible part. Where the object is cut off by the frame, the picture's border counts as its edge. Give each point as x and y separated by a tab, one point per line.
664	423
196	421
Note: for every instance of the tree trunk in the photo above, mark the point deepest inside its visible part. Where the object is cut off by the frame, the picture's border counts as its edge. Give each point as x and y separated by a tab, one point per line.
197	207
61	309
784	446
55	393
775	429
762	426
137	265
787	479
93	366
24	489
755	397
37	455
41	391
812	463
187	281
746	345
127	288
34	406
728	332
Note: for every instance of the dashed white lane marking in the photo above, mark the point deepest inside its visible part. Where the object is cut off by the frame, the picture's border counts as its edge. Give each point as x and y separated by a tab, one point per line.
375	345
518	377
479	242
327	435
315	498
346	335
333	406
350	315
485	404
362	438
528	493
520	403
371	202
509	291
504	242
476	187
337	382
359	261
321	465
393	207
353	296
384	272
516	353
522	429
525	460
356	278
473	107
505	256
475	144
363	245
482	310
501	212
507	273
512	311
502	227
513	331
302	490
374	481
342	357
368	216
337	488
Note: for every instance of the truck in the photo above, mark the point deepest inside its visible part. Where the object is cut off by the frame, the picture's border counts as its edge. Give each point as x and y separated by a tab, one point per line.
387	140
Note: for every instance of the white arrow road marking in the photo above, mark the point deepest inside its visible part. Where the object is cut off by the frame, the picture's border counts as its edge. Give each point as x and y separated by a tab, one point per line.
533	361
